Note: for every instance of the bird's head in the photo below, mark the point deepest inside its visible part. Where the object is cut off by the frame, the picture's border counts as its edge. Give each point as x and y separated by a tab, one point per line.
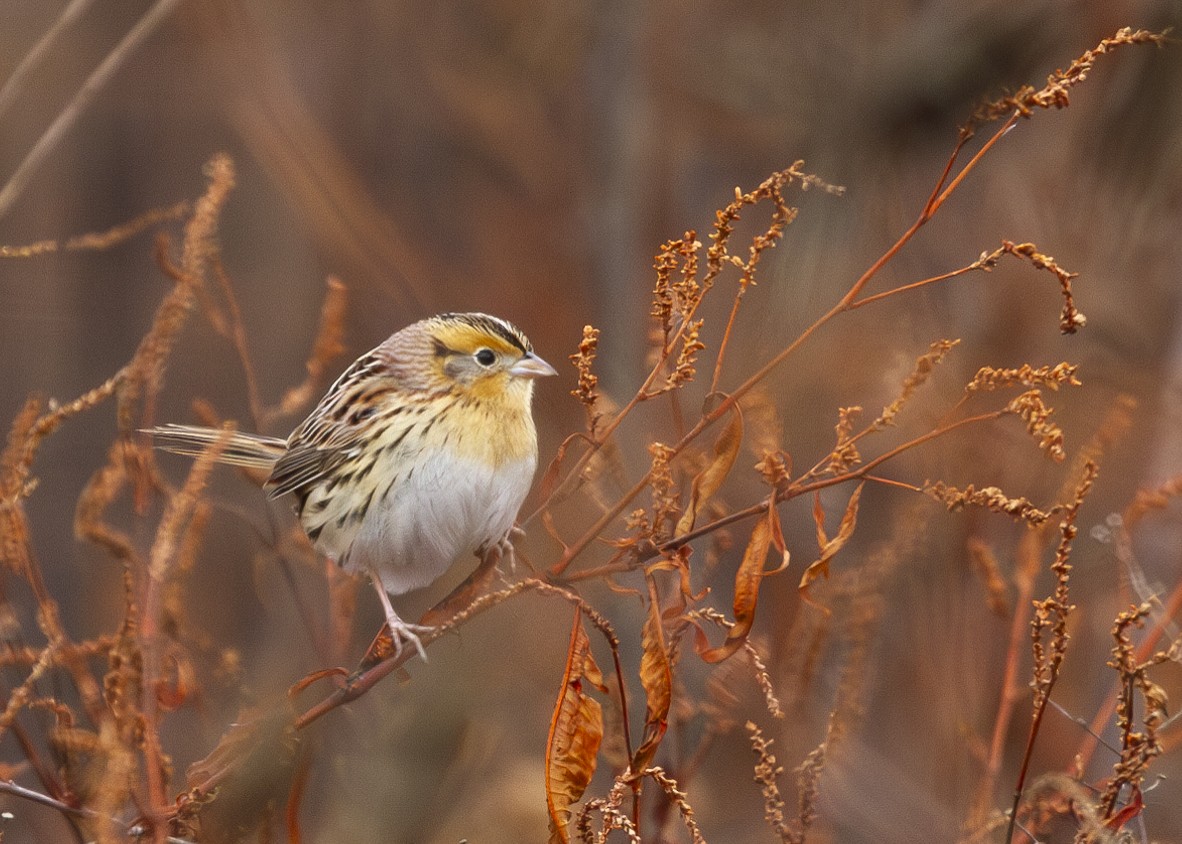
482	356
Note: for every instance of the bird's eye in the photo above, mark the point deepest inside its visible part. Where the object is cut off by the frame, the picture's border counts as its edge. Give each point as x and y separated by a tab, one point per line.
486	357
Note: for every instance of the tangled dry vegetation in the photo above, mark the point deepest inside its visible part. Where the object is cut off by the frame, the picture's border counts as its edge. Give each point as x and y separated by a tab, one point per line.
102	703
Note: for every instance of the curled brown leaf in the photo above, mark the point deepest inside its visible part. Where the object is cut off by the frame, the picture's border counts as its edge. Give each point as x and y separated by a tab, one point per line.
576	730
656	676
707	482
829	547
748	578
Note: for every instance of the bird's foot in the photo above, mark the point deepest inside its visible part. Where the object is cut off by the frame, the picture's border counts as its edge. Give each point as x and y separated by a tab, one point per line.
403	634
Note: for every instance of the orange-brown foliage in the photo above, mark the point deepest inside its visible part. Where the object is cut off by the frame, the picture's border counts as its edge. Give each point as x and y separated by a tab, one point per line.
661	537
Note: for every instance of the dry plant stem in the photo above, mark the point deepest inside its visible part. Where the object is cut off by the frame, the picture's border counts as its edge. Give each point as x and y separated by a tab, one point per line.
937	201
1046	672
173	524
125	231
907	288
10	787
781	218
138	379
236	333
613	818
1111	794
716	255
46	772
24	441
1138	747
802	486
593	446
1145	649
726	338
1011	690
643	393
25	655
678	798
15	85
22	694
939	195
295	797
98	241
1027	753
57	130
359	684
49	422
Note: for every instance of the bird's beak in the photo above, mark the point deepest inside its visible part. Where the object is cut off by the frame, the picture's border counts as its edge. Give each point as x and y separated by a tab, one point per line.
531	366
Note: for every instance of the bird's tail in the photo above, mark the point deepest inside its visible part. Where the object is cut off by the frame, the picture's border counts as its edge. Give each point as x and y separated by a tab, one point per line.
253	451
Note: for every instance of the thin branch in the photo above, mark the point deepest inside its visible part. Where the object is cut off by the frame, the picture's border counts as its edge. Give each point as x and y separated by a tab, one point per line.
906	288
793	490
15	85
847	302
62	124
10	787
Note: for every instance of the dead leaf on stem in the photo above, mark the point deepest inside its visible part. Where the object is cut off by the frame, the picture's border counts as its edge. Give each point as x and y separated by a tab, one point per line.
576	730
829	547
656	675
764	536
709	480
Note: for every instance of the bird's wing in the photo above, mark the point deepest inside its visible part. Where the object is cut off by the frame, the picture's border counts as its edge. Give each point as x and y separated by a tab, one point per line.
334	431
302	467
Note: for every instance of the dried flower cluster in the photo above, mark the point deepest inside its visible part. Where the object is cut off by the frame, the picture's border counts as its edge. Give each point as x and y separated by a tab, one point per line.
1051	377
1050	614
1055	93
845	453
690	536
1037	416
925	364
102	240
587	391
989	497
766	772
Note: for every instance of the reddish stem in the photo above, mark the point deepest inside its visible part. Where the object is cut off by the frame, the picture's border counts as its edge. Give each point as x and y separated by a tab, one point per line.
846	303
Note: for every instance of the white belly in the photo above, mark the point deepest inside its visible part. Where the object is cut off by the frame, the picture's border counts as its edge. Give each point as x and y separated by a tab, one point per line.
447	509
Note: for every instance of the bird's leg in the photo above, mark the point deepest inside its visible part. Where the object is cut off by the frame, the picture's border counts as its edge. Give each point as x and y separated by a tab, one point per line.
401	633
507	552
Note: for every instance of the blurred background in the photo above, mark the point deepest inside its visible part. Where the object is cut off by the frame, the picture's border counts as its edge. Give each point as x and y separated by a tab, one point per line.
528	159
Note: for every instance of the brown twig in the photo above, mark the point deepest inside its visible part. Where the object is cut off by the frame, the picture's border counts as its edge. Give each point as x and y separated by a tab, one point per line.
1051	613
65	120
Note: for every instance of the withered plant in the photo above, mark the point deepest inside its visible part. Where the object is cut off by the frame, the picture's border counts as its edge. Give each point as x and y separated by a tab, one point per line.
659	536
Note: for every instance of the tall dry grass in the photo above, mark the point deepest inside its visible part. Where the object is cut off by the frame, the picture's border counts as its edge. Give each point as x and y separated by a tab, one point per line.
664	536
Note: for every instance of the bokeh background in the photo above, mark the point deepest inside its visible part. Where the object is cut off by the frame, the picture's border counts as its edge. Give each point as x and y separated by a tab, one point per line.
528	159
